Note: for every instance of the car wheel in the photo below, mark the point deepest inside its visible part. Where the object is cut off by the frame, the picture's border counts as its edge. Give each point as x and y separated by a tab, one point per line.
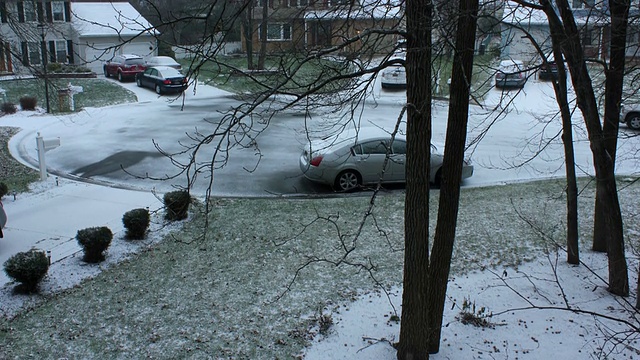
120	77
138	82
633	121
437	180
158	90
347	180
106	73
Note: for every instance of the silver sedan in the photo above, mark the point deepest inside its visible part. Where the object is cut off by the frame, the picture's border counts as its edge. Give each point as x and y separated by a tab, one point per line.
349	161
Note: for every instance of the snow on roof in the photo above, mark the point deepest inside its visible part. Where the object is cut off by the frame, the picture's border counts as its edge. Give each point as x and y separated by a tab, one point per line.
368	9
515	13
107	19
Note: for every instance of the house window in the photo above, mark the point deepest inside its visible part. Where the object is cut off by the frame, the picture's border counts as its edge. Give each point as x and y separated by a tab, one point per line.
29	11
35	58
61	51
299	3
590	37
339	2
57	9
277	32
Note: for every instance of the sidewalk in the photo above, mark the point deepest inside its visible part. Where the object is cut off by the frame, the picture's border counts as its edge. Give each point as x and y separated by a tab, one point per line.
49	217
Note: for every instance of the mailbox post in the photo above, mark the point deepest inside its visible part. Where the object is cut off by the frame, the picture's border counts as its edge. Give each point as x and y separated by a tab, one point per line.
44	146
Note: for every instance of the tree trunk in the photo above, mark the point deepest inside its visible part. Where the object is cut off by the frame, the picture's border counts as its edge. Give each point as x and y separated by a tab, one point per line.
247	29
560	88
611	217
606	191
451	173
263	35
414	332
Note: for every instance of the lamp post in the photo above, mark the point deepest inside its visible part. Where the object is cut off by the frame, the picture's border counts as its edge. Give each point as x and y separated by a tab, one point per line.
43	47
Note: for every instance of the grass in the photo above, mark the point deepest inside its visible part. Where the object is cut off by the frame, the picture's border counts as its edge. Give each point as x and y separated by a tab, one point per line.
15	175
96	92
224	72
231	294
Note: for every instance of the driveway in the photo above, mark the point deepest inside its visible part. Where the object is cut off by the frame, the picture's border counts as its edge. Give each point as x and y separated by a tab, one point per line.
513	137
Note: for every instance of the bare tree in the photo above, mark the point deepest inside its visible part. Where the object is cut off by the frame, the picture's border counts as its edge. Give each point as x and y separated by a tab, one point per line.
442	251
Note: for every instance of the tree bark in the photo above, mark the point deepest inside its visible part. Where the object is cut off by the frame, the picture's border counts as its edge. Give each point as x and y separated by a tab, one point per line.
606	191
560	88
414	334
263	35
456	137
247	27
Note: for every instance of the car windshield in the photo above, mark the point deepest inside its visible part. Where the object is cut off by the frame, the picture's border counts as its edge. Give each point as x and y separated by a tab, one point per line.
136	61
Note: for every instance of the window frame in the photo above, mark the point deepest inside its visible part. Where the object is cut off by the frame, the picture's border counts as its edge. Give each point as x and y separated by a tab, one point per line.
61	11
281	31
30	11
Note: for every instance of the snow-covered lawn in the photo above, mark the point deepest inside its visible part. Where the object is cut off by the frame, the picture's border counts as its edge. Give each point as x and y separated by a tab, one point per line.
234	292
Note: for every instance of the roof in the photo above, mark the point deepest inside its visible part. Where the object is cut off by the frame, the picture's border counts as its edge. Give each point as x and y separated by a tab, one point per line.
108	19
515	13
368	9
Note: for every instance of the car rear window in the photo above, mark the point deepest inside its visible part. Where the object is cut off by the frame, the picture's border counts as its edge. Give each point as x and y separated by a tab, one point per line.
171	72
136	61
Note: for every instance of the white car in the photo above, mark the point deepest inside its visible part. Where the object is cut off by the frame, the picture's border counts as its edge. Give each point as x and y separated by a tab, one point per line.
511	74
630	115
395	75
349	160
163	61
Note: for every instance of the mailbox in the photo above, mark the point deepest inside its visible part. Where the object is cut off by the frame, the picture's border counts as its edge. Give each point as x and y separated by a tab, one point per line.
44	146
50	144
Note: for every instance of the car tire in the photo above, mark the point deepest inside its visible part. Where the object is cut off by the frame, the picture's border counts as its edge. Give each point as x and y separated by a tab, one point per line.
138	82
158	90
106	73
120	77
347	180
437	180
633	121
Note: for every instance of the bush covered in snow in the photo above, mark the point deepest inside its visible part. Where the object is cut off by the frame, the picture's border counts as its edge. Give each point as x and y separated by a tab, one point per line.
136	222
177	205
28	268
94	242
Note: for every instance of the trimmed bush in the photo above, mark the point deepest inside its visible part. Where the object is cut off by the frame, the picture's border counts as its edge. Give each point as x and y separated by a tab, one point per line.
9	108
28	103
4	189
177	205
94	241
136	222
28	268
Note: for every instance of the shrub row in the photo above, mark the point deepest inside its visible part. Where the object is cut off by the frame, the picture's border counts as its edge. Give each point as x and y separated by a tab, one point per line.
29	268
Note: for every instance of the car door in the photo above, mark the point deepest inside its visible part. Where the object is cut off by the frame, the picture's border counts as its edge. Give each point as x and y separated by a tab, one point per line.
149	78
397	160
369	159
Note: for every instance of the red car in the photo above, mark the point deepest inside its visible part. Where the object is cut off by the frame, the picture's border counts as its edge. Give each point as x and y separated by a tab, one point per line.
124	67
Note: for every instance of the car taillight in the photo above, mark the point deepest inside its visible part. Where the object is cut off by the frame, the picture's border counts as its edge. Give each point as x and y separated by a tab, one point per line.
316	161
167	82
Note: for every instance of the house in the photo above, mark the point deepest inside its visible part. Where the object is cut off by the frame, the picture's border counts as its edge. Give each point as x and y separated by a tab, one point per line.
517	21
316	24
76	32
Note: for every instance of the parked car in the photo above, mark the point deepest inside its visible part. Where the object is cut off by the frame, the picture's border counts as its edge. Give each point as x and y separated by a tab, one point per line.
124	66
163	61
511	74
630	115
395	76
162	79
548	71
348	161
